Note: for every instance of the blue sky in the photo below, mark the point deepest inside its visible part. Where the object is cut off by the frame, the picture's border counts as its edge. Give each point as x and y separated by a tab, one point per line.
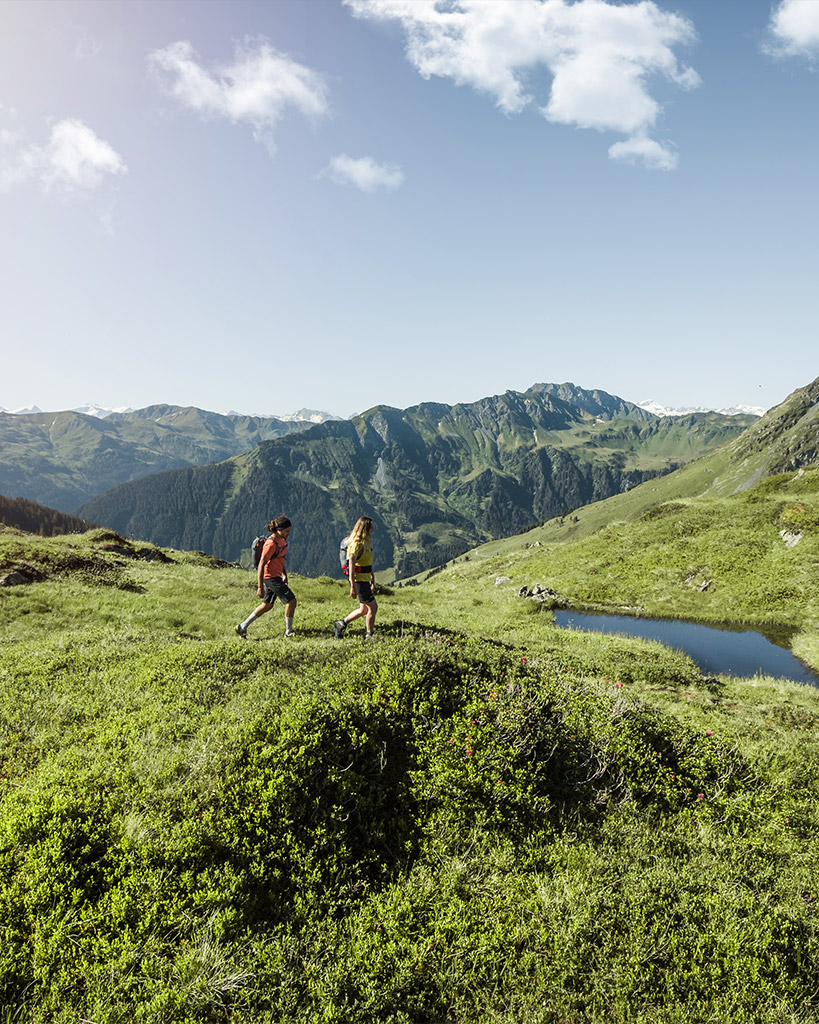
260	206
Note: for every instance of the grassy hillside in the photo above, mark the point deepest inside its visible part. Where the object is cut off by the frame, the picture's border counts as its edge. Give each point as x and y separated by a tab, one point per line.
474	818
61	459
437	479
751	557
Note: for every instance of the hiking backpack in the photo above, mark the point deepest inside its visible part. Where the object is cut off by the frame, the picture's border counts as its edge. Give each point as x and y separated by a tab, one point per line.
256	548
345	561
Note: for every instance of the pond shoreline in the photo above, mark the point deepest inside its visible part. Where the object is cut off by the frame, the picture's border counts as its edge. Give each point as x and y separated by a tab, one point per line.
730	649
778	633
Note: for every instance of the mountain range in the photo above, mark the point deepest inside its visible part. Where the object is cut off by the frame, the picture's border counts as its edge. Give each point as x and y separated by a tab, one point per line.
437	479
734	410
62	459
306	415
317	416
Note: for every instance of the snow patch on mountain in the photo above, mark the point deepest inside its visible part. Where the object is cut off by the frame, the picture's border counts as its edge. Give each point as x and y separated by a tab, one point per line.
89	410
309	415
99	412
20	412
301	416
734	410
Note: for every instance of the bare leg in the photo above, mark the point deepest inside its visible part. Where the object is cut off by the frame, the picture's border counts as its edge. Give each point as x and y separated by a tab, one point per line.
361	610
241	629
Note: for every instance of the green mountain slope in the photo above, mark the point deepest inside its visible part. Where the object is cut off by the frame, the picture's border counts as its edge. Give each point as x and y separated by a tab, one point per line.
62	459
785	439
751	557
732	536
436	478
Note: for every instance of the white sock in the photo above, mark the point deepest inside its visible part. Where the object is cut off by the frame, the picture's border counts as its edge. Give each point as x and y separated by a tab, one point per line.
248	620
288	622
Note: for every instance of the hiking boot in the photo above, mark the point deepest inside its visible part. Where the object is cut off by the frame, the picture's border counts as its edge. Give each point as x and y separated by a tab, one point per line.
340	627
240	629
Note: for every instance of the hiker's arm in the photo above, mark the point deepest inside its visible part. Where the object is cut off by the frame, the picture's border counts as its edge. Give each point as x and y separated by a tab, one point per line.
262	563
351	553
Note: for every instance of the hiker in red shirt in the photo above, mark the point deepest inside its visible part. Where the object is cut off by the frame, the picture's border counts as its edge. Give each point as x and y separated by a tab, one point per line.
273	577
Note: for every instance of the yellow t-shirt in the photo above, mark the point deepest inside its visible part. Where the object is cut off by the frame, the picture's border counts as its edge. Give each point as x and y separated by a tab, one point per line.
362	558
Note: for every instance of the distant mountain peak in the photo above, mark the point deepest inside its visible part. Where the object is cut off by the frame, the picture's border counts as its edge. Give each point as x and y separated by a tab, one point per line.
309	415
591	400
300	416
100	412
21	412
734	410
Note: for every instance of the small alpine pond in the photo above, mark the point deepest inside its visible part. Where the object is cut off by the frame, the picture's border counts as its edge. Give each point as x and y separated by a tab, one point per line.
714	650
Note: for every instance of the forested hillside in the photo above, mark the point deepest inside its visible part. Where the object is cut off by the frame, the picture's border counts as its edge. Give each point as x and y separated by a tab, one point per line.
437	479
47	522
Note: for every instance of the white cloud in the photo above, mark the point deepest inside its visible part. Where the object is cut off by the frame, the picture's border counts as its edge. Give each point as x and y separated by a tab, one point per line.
364	173
75	159
794	29
256	88
599	54
644	150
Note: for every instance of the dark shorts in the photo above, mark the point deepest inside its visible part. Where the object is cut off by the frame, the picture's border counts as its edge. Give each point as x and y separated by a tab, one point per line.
276	587
365	591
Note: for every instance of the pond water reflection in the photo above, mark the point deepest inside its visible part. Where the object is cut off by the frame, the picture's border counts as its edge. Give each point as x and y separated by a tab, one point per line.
715	651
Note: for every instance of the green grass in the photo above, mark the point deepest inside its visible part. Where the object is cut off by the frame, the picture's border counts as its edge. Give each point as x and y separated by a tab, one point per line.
708	559
475	818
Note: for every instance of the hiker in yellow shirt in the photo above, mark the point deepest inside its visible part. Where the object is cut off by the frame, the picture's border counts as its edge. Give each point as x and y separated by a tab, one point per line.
362	577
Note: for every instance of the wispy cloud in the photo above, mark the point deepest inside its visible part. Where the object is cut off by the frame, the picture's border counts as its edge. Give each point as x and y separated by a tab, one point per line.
256	88
86	45
364	173
793	30
641	149
599	54
75	159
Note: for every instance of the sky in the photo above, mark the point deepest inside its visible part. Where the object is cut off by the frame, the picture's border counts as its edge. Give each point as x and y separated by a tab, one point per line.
265	205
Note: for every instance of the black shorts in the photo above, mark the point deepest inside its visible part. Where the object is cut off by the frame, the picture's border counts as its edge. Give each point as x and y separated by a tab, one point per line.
276	587
365	591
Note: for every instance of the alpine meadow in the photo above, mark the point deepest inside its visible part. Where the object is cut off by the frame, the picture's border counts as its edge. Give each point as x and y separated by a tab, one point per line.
476	817
409	512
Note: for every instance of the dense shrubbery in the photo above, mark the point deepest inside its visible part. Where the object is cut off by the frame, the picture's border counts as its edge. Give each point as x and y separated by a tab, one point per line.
189	852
